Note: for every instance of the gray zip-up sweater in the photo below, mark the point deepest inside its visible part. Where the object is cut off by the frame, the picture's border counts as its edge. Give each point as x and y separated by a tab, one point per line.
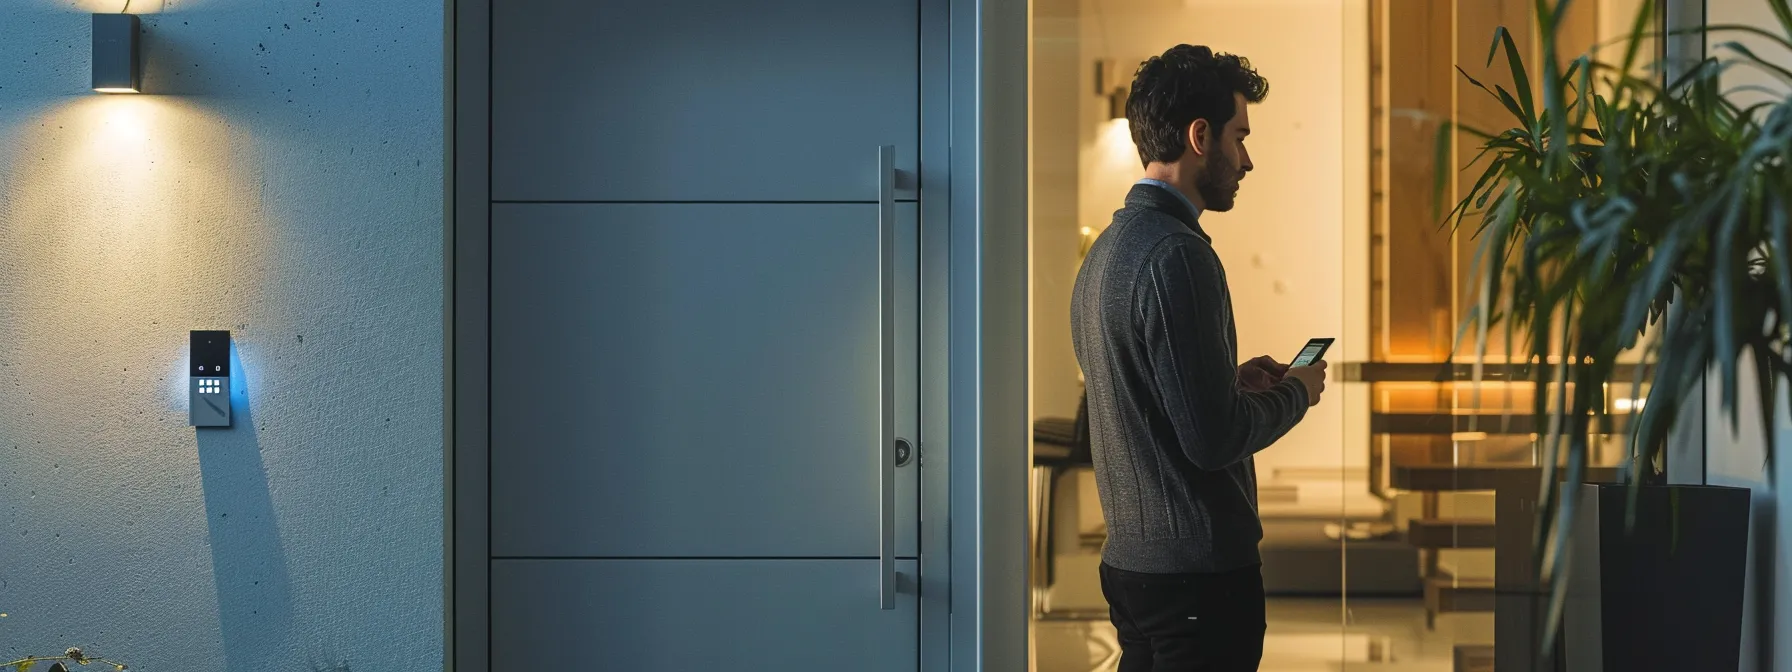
1171	430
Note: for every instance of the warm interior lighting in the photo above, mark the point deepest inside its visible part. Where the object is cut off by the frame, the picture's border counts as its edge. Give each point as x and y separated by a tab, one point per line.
1118	157
1469	436
1627	404
109	89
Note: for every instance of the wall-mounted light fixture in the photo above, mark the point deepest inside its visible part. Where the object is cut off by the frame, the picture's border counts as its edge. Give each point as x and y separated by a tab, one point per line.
1110	87
116	65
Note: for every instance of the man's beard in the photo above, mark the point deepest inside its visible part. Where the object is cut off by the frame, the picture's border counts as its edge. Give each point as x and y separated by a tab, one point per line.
1218	184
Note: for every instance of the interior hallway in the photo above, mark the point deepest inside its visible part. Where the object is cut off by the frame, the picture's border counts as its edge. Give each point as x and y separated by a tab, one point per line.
1385	635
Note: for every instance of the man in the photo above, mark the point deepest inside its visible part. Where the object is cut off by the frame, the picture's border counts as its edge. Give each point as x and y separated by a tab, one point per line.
1173	419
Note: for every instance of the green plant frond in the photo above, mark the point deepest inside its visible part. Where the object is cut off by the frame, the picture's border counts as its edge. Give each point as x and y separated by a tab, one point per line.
1471	79
1752	110
1628	214
1782	13
1724	310
1441	174
1779	254
1748	56
1766	379
1583	89
1505	98
1704	71
1503	215
1645	12
1660	273
1521	80
1722	28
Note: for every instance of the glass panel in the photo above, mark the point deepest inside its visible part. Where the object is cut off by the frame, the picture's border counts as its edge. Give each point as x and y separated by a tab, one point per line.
1459	466
1297	255
1397	518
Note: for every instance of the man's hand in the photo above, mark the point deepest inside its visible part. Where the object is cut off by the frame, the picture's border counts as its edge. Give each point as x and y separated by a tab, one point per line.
1261	373
1313	377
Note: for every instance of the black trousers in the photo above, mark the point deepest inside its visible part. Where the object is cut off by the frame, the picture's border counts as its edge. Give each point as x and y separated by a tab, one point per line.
1187	622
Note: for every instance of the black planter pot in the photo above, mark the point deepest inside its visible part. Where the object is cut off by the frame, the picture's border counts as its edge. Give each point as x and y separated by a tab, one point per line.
1664	595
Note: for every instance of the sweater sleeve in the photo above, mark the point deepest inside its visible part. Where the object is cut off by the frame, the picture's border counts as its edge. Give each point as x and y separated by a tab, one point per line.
1182	316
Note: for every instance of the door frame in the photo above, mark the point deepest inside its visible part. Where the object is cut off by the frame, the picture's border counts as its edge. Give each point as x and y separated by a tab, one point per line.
975	316
1687	458
991	323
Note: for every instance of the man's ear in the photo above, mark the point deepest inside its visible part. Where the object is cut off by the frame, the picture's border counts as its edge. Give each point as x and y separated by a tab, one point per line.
1197	137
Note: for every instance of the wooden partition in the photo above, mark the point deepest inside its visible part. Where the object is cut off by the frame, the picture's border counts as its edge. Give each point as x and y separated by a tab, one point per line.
1432	439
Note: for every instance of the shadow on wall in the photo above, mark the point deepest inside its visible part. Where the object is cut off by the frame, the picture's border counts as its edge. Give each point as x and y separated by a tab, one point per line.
254	588
281	178
123	221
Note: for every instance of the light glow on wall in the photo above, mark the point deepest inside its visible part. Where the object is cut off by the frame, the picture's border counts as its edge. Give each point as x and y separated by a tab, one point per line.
123	6
131	216
118	166
1115	150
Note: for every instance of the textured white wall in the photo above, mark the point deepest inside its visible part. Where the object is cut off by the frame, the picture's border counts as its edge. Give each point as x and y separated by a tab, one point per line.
282	180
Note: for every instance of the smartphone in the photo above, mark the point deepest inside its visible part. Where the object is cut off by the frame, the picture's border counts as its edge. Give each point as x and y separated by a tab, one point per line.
1313	352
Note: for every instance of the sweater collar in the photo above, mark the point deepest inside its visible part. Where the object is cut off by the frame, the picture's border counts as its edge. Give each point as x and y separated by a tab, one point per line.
1162	197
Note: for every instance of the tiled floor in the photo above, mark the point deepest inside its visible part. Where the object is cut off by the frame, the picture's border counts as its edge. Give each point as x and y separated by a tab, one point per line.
1305	635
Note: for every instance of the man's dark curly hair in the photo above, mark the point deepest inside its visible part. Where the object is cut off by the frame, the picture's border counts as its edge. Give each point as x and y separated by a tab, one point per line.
1186	83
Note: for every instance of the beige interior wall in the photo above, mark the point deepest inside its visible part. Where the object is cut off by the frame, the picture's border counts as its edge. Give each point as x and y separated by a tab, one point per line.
1058	93
1286	245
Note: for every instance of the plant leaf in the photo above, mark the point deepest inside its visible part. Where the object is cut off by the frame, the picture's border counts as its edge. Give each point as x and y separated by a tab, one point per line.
1521	81
1441	168
1644	14
1779	255
1471	79
1782	13
1523	116
1750	57
1765	378
1722	297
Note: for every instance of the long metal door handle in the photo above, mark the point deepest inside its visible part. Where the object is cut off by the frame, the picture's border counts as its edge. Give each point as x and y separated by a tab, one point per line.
886	434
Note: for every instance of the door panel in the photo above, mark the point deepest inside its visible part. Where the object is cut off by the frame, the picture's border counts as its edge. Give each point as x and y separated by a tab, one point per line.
796	615
717	100
695	380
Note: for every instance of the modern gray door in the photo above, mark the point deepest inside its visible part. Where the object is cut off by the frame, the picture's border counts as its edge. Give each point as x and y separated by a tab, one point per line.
702	100
704	355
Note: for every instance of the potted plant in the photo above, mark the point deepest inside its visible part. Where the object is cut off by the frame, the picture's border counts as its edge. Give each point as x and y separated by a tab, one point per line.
73	655
1618	199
